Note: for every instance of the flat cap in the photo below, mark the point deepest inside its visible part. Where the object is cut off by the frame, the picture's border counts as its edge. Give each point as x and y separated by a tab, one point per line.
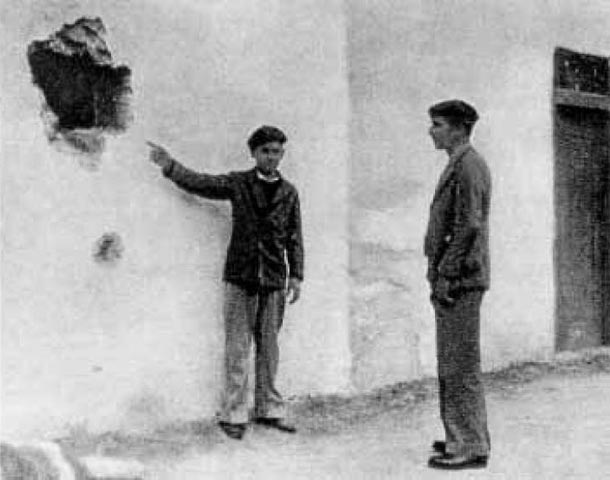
456	110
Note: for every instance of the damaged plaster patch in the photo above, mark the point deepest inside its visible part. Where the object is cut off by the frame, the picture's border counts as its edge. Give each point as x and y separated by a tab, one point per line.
108	248
85	95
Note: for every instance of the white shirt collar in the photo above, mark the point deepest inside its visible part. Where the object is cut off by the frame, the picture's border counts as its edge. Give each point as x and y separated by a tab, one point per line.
268	178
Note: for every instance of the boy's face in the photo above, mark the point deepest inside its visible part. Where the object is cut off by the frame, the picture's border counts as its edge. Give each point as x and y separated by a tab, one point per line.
444	134
268	157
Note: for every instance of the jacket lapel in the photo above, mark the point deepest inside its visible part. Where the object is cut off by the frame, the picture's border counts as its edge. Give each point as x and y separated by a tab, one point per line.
448	173
258	195
280	193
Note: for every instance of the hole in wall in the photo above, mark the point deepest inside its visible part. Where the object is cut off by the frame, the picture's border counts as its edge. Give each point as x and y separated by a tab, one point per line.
85	94
108	248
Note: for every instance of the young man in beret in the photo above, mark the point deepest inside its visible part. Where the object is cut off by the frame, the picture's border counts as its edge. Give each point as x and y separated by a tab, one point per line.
457	247
264	266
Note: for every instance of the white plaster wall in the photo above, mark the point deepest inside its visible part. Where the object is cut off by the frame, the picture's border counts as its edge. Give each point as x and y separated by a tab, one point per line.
139	343
405	55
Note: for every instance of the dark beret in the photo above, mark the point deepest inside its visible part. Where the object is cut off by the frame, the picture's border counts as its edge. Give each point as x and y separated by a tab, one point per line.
456	110
265	134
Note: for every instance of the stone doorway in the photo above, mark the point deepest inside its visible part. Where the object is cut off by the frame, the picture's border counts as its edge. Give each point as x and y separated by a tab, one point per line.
582	200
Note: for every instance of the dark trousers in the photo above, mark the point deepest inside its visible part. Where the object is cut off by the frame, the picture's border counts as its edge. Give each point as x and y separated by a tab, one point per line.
461	395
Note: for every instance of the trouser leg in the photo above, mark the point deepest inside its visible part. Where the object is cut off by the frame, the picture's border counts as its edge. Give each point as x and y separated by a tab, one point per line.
462	400
268	402
239	316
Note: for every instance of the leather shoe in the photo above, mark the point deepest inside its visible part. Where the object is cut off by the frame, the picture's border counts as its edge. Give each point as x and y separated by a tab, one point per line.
277	423
233	430
439	446
457	462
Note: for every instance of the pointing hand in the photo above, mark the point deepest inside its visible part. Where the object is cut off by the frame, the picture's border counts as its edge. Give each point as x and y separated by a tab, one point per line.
159	155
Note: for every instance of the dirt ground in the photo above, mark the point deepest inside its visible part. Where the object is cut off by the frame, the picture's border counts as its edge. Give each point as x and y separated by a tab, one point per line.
547	421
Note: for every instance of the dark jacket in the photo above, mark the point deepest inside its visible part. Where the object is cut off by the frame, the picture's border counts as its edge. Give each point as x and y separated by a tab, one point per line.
457	240
265	237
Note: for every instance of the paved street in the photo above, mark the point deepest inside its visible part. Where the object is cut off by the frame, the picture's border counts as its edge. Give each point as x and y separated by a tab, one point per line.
554	427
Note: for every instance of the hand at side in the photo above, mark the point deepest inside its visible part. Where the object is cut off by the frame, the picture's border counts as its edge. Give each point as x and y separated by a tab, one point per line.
293	291
442	291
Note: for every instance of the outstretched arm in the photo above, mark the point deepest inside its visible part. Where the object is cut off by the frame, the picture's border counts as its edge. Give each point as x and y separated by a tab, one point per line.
218	187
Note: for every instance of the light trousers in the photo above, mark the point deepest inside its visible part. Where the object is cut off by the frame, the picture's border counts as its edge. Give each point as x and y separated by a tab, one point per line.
251	316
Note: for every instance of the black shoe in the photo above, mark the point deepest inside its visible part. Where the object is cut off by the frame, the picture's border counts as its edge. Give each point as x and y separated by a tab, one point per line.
457	462
233	430
277	423
439	446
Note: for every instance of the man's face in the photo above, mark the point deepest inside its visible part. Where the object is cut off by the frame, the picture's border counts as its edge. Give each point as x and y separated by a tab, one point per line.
268	157
444	134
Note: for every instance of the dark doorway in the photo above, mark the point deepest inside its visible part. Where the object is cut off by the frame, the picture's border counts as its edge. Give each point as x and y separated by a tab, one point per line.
582	182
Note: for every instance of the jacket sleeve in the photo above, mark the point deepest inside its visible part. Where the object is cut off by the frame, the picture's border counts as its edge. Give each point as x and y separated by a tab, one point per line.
467	222
216	187
294	244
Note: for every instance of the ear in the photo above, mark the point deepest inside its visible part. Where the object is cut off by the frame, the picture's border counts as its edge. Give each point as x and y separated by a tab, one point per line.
459	130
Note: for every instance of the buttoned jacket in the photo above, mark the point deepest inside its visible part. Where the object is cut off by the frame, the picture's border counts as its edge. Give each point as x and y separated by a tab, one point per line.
457	238
266	242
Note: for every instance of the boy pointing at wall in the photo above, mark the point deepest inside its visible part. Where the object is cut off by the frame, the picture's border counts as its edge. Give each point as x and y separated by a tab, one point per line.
264	265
